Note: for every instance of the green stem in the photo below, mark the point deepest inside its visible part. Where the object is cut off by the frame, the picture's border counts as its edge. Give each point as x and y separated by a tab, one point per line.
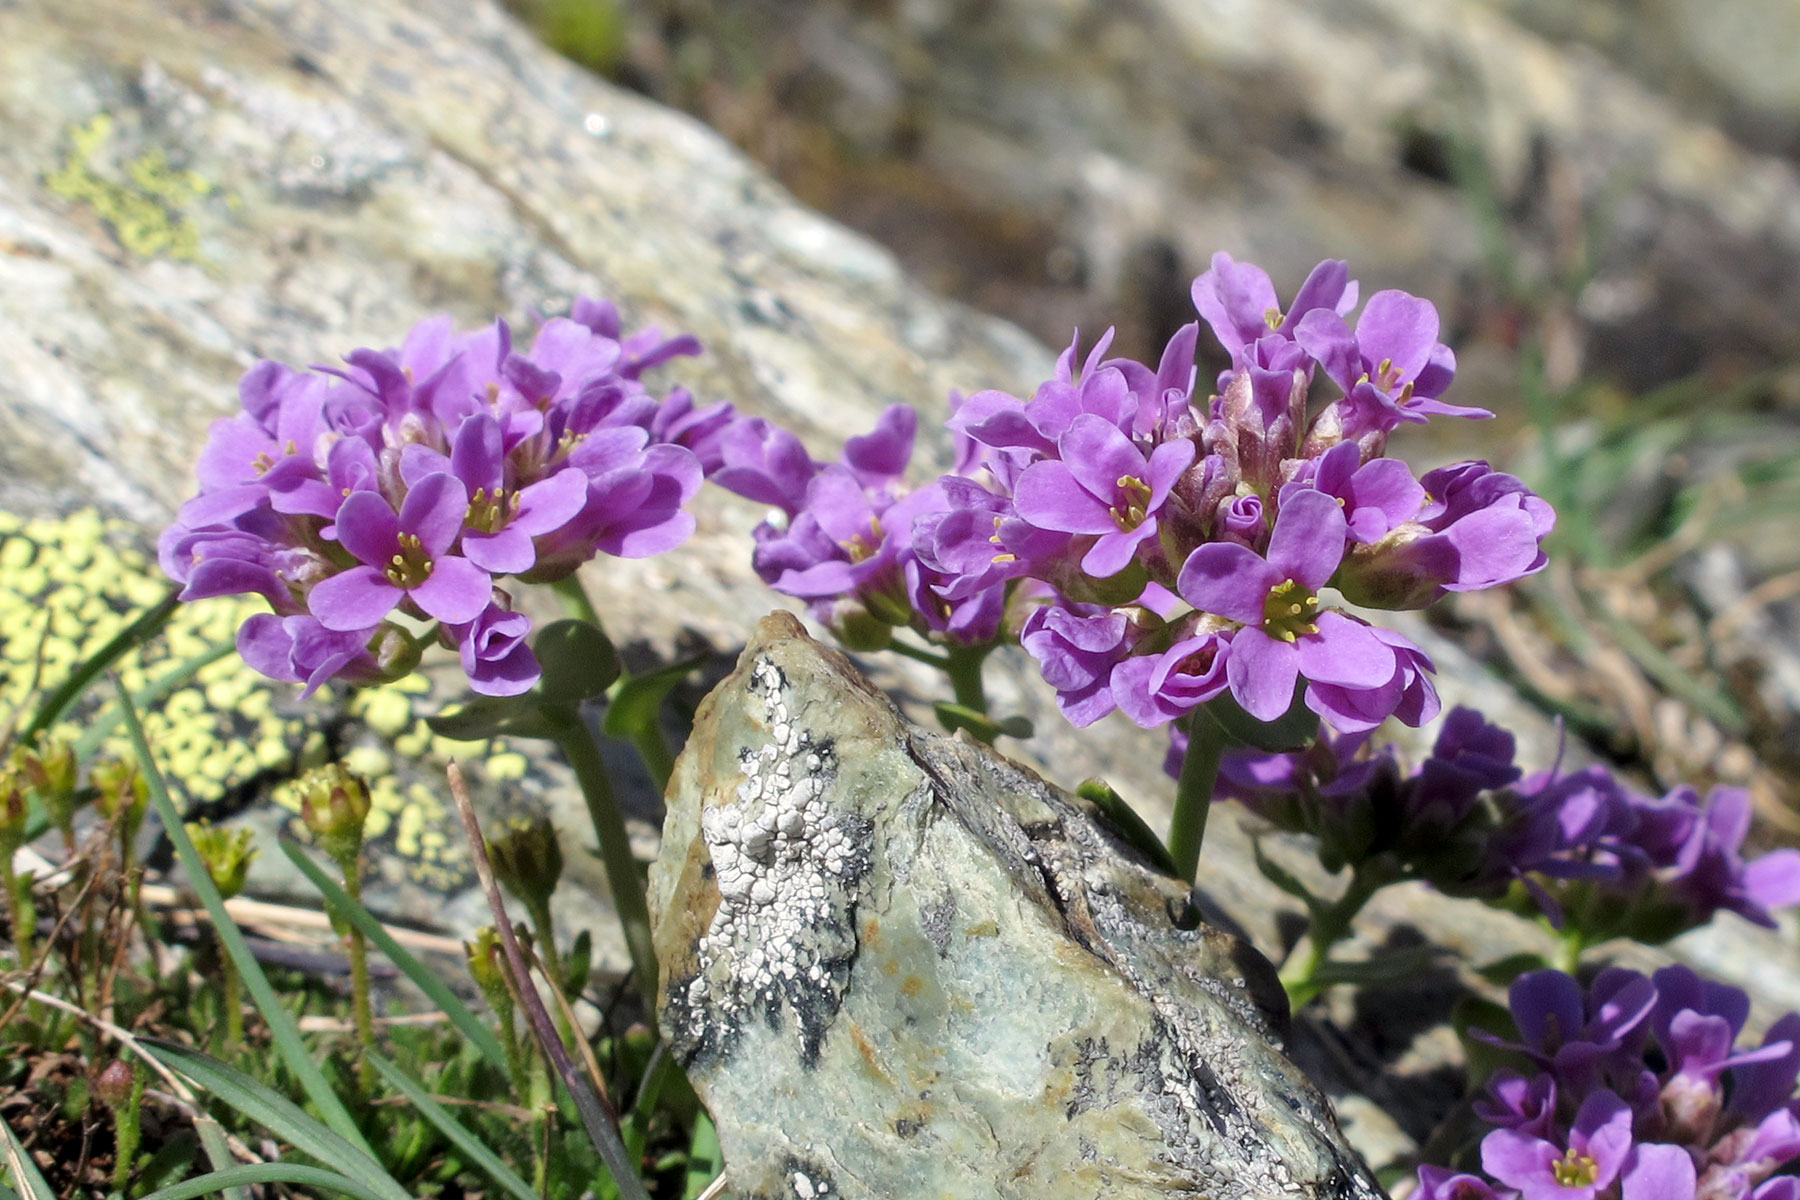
20	911
651	745
1328	925
1194	791
234	1003
583	752
1569	946
362	1012
963	665
940	661
576	600
552	963
128	1122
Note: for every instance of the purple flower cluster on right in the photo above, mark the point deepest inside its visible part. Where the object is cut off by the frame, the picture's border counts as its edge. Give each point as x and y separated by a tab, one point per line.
1636	1089
1171	546
1580	846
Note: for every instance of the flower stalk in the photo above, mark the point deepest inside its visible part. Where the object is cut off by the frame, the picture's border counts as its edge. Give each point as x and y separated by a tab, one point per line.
1194	793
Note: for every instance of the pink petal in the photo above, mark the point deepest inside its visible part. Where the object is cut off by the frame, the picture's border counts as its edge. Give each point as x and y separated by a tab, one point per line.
355	599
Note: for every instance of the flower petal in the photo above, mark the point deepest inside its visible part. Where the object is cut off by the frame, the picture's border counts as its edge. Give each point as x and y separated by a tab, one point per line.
433	512
456	591
1309	537
354	599
368	528
1228	579
1262	673
1345	652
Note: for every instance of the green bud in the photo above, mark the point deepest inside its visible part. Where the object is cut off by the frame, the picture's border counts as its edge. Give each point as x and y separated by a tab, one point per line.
486	969
334	804
857	629
396	655
123	795
527	859
54	776
227	854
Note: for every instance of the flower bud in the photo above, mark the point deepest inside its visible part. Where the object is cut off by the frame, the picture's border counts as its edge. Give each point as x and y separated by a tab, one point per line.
488	972
334	804
123	795
14	809
227	854
53	774
113	1083
527	860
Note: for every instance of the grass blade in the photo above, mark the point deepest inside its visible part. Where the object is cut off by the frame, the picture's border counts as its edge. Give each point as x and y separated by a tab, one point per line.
147	625
89	743
212	1140
465	1020
483	1159
247	1176
25	1175
281	1025
277	1114
704	1160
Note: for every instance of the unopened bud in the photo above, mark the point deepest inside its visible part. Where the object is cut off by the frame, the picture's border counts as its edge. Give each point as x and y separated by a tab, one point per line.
488	972
122	795
527	859
13	809
227	854
54	774
113	1083
334	804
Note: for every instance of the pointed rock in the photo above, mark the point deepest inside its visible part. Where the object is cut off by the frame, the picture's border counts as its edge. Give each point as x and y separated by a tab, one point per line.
898	965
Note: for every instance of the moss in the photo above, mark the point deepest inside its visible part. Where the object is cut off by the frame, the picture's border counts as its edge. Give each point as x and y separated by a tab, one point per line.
144	201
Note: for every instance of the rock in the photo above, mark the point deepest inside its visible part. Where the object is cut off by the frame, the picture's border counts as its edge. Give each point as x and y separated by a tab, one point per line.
899	965
1076	163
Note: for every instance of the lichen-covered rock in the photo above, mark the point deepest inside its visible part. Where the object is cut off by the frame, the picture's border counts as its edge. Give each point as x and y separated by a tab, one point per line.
897	965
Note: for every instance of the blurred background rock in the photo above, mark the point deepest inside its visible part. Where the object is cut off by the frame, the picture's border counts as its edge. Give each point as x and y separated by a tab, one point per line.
1603	199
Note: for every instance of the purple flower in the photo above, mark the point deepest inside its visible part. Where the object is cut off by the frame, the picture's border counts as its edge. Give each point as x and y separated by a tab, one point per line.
1238	301
1285	635
1153	689
1710	873
297	649
1393	368
1596	1152
1077	648
1437	1183
495	655
761	462
404	557
1103	484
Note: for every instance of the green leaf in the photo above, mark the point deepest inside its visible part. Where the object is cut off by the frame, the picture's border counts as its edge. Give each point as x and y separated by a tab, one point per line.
1502	971
282	1029
461	1016
636	701
704	1160
1295	729
483	717
980	726
24	1172
217	1152
1391	965
578	659
249	1176
1281	877
1124	821
277	1114
479	1156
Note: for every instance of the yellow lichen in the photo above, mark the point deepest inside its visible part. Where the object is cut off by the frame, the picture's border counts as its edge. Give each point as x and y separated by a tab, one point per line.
146	210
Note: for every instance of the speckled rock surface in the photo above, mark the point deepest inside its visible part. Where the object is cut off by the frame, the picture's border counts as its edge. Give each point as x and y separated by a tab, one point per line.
899	966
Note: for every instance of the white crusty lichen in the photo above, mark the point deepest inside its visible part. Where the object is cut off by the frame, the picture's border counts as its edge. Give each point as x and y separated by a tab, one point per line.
788	862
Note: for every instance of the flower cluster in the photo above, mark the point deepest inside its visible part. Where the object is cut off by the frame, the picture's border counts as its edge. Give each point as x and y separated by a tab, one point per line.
1183	542
852	540
1637	1090
1598	857
404	483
